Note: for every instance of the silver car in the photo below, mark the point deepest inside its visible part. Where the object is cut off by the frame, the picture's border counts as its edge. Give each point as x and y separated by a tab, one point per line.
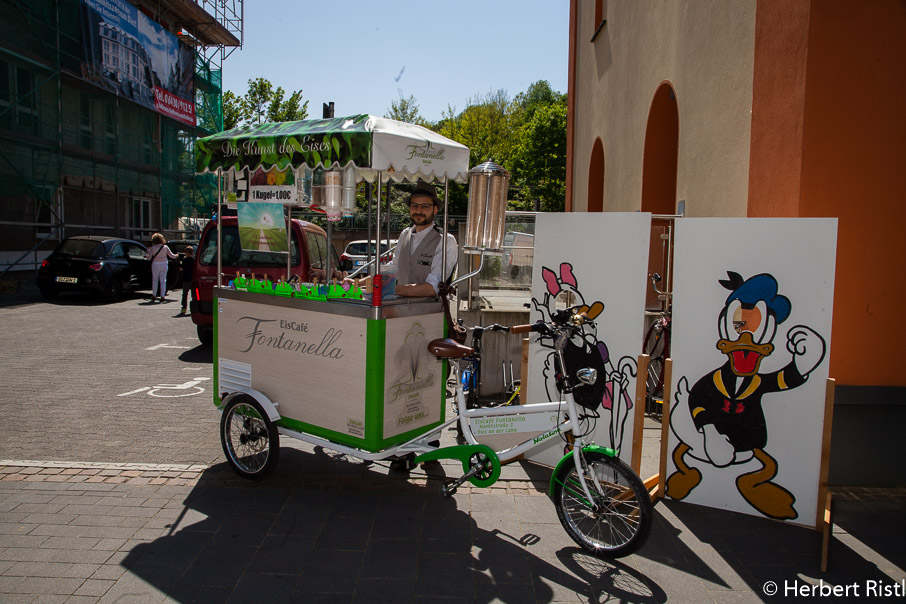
359	252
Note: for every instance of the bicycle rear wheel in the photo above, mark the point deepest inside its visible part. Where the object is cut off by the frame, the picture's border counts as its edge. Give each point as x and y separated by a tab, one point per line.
249	438
655	347
617	521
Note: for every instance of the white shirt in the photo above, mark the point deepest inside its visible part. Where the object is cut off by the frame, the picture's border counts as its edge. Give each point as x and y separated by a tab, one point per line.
161	258
435	276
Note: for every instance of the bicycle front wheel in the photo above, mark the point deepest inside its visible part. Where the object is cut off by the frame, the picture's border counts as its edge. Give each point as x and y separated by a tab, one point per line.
618	520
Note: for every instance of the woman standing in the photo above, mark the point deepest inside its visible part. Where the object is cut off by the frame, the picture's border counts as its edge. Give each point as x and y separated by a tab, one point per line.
159	255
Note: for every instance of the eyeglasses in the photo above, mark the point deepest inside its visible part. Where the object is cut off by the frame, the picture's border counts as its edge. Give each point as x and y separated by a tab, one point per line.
421	206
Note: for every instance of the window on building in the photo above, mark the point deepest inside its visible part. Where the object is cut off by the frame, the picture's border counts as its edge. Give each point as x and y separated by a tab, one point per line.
149	126
26	100
5	95
110	128
18	99
141	218
85	120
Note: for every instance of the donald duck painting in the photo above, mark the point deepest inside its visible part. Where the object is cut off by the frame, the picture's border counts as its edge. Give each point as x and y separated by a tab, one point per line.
728	423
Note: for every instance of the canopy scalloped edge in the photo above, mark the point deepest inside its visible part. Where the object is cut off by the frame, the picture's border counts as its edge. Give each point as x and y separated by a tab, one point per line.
397	150
366	174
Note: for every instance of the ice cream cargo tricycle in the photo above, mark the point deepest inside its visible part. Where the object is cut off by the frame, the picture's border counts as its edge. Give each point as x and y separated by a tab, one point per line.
365	373
327	360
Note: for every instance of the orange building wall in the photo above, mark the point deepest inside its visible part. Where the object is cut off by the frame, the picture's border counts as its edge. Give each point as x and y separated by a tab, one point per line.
778	107
854	167
839	101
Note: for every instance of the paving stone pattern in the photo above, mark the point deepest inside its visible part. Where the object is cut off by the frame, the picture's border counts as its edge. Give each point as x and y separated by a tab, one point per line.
109	498
66	361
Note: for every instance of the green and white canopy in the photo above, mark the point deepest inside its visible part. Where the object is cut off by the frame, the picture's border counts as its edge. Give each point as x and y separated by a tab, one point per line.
401	151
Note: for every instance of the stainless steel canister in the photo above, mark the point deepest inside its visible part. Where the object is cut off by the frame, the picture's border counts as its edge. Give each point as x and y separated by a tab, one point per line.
488	184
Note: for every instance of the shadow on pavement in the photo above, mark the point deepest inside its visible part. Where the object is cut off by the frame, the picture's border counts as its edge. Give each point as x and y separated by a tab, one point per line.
325	527
875	528
700	541
199	354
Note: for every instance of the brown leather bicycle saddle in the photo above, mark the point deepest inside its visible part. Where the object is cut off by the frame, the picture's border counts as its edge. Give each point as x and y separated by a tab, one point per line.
446	348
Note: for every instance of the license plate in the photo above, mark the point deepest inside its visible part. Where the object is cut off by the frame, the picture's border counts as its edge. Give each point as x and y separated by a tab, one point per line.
359	262
67	280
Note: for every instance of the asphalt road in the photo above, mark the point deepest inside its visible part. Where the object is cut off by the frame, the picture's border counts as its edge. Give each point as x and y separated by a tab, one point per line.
119	383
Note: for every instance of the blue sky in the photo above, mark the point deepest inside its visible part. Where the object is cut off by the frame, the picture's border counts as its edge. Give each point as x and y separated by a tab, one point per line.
358	54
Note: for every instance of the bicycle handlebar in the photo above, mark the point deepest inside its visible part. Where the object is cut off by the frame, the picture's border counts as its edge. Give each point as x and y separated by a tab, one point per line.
523	328
562	318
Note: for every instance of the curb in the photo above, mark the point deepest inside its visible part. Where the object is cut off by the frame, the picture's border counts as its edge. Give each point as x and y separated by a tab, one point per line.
190	475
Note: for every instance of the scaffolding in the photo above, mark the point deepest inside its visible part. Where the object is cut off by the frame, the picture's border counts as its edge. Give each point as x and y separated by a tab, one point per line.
78	159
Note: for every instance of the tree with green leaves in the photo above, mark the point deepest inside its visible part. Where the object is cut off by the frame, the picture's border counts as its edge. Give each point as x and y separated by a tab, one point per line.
406	110
539	160
485	126
527	136
262	103
232	110
537	95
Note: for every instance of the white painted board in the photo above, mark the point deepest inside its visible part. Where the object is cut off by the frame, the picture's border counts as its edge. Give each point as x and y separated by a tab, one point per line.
600	260
742	410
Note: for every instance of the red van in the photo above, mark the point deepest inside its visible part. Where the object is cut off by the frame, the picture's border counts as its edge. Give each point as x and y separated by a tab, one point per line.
308	261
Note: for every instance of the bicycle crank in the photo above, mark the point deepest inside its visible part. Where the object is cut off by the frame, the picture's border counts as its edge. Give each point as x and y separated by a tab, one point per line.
451	486
479	462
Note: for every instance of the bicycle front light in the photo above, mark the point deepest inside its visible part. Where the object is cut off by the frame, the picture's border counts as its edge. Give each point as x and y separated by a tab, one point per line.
587	376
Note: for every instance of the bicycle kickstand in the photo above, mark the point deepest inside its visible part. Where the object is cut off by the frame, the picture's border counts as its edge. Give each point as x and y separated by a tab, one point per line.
450	486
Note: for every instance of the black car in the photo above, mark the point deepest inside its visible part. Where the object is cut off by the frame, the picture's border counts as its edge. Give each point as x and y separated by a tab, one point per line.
107	266
178	247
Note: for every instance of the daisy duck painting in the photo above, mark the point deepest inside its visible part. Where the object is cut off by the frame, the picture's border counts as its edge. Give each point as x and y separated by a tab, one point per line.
610	393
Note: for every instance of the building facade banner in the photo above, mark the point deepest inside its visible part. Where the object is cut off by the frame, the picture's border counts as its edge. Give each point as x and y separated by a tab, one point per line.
132	56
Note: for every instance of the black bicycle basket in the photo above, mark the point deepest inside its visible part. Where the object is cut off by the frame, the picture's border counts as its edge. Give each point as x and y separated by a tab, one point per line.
580	357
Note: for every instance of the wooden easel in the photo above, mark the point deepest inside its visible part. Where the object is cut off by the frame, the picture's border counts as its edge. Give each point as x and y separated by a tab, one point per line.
823	517
657	484
638	420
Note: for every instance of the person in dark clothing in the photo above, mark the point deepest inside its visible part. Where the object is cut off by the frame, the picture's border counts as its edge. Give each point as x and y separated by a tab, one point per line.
186	266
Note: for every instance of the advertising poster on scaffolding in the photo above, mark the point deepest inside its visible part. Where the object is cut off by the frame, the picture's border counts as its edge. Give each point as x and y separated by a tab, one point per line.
596	263
131	55
752	312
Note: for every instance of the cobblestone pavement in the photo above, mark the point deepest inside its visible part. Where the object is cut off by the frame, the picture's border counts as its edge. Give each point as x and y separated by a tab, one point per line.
327	528
112	492
80	382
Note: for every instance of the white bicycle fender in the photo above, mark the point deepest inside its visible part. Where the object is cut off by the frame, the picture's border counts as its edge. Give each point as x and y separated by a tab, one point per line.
269	407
